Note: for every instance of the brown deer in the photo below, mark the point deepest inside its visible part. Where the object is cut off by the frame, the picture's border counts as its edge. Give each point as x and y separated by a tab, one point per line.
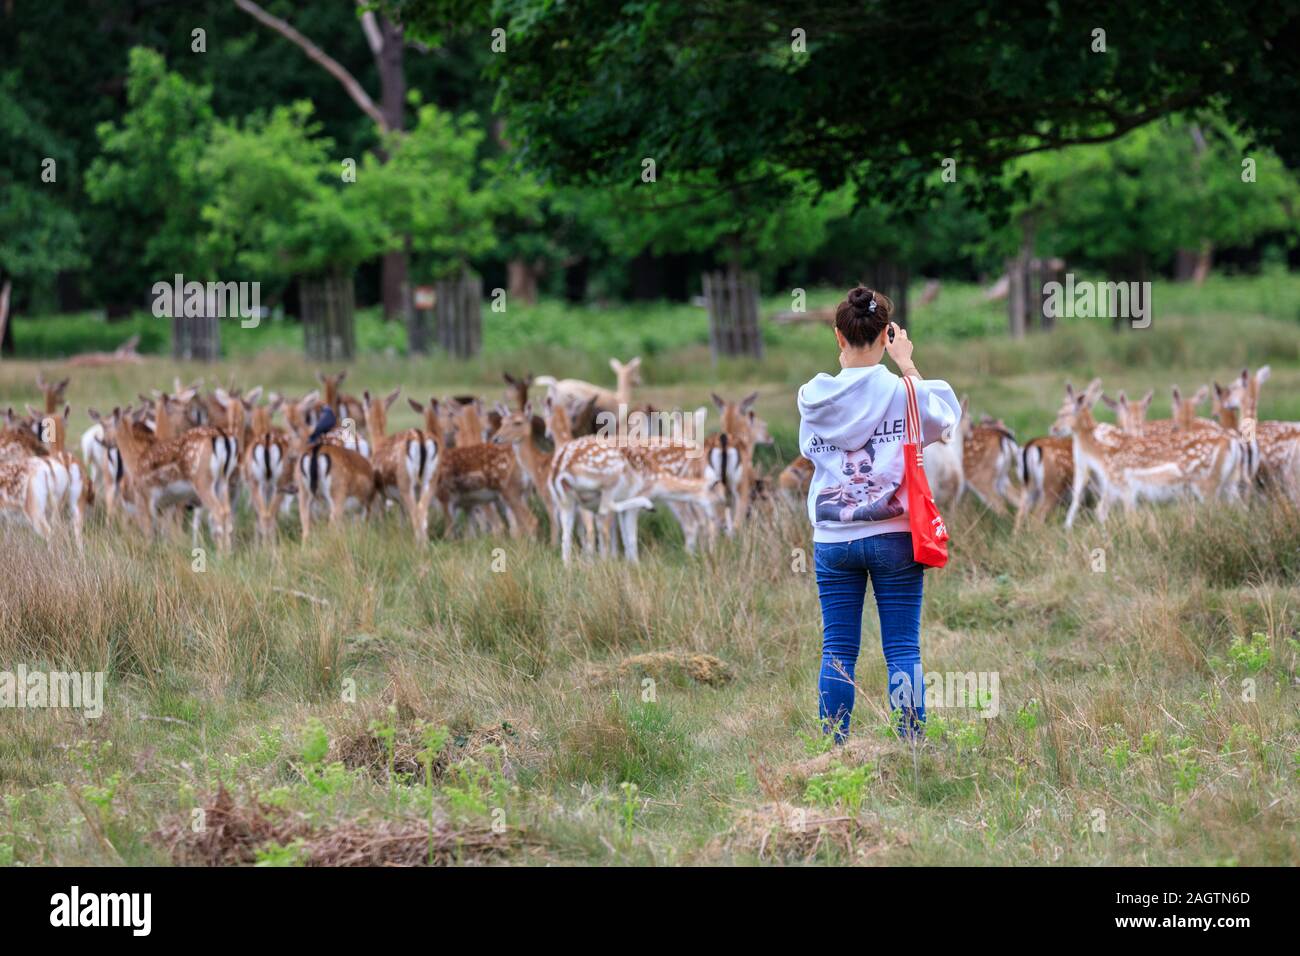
338	478
52	392
619	478
989	455
520	430
404	463
796	478
468	476
576	394
196	466
268	462
345	406
1134	467
730	453
1274	445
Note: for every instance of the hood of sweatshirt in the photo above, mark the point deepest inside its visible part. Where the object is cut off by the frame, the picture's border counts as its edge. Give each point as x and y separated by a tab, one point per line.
846	408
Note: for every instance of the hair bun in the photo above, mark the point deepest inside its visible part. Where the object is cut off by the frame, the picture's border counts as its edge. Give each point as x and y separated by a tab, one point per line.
862	299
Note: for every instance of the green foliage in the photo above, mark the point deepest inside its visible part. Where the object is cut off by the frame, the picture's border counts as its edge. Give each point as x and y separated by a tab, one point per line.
279	206
840	786
39	234
1253	654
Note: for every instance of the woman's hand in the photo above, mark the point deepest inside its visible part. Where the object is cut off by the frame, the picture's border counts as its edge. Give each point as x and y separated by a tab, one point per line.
900	350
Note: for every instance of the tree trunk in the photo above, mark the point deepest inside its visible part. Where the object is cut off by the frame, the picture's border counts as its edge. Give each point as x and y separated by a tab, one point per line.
392	102
6	327
523	276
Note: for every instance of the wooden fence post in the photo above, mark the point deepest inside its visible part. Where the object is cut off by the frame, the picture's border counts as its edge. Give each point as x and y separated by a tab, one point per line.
732	299
889	277
328	316
458	314
196	338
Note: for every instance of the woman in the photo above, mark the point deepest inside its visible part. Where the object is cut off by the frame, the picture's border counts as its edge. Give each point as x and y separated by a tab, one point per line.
852	429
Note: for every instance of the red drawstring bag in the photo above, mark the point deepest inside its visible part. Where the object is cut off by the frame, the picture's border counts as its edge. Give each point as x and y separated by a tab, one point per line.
929	533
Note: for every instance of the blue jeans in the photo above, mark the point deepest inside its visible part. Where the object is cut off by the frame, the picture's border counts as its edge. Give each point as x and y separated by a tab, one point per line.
896	579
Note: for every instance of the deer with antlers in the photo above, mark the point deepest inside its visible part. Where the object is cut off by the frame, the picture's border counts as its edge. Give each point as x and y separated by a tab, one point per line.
1134	467
404	463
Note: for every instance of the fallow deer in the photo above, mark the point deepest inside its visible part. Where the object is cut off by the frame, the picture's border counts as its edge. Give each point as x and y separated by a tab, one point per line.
196	466
796	478
52	392
267	463
575	393
1135	467
404	462
340	479
345	406
1275	445
944	462
730	453
989	456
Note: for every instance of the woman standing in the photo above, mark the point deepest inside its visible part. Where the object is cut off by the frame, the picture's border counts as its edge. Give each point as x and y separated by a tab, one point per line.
852	429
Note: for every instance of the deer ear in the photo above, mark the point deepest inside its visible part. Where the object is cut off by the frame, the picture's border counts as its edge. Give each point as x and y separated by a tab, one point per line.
616	365
1201	395
320	377
718	401
252	397
1146	399
415	406
392	397
635	363
1263	374
63	384
1110	402
338	380
509	379
748	401
67	412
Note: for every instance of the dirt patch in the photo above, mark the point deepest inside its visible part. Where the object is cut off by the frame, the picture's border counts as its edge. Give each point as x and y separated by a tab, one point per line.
234	831
701	668
784	832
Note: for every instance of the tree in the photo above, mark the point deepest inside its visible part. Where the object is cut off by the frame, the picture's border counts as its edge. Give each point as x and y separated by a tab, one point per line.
39	235
880	92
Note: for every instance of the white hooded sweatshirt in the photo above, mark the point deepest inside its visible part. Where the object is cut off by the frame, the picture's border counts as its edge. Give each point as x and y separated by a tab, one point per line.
851	428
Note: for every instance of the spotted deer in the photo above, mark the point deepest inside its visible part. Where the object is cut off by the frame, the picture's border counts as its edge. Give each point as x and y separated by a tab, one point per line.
1130	415
990	455
338	479
33	487
404	462
1046	476
196	466
1274	445
468	476
522	431
1161	467
576	394
730	454
267	463
302	415
622	478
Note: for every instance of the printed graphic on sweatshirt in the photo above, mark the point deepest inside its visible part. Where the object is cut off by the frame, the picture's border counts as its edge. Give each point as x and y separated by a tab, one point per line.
861	495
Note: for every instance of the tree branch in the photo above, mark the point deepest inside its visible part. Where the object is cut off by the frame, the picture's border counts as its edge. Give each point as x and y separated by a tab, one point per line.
315	53
370	27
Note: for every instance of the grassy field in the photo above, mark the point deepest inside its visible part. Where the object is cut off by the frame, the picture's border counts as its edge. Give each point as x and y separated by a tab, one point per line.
359	699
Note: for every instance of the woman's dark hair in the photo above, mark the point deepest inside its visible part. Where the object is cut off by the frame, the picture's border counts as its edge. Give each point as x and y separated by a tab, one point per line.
863	315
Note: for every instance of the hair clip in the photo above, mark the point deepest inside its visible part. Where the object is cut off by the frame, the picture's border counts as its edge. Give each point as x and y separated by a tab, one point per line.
871	306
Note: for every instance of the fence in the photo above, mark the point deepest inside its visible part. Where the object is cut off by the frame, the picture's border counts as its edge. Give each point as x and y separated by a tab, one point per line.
1026	277
458	314
732	300
328	317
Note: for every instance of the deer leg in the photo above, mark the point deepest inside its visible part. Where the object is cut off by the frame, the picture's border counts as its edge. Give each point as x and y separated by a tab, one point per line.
1076	495
627	530
304	511
567	512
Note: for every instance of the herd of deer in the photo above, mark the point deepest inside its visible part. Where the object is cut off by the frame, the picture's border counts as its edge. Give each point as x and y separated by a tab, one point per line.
1133	460
193	451
188	450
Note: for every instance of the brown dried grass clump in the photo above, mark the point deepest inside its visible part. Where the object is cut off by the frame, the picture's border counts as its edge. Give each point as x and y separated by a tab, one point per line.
784	832
701	668
364	749
234	832
856	751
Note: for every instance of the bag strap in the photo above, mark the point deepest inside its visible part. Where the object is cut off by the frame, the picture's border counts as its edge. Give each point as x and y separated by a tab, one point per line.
913	426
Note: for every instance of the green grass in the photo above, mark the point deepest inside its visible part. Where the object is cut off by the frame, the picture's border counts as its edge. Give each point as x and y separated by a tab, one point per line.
1147	714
